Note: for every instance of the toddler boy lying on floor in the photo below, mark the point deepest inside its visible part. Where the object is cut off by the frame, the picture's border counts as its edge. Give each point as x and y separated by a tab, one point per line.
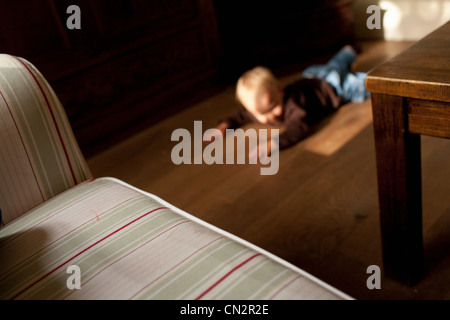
321	90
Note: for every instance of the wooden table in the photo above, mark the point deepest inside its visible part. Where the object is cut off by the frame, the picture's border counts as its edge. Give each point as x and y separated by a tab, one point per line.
410	97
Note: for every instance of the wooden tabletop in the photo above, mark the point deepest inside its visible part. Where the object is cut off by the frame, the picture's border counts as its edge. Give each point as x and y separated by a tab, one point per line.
422	71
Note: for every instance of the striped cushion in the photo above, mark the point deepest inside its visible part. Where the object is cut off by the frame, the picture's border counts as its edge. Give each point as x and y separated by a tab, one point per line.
132	245
39	156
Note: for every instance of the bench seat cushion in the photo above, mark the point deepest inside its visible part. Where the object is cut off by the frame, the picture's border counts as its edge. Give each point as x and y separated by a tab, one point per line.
129	244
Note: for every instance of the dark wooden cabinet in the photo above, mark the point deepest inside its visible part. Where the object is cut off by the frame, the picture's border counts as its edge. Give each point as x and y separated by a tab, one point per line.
135	62
281	34
131	63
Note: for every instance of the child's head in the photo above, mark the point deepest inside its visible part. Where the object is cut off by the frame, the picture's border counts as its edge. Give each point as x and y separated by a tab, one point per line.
261	94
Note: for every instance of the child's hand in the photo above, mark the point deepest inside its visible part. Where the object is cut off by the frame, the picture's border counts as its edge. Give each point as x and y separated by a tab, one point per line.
211	135
262	151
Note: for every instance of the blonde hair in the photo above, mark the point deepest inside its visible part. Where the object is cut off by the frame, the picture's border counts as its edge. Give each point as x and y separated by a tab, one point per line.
257	81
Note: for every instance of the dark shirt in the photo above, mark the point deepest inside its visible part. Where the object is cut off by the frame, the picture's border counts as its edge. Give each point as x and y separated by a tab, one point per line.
306	102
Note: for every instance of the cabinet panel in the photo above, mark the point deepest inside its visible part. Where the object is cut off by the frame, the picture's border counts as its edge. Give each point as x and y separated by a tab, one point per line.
124	91
130	64
30	28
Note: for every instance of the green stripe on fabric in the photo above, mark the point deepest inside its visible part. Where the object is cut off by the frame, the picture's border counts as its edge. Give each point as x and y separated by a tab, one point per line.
76	160
54	205
197	274
18	143
68	247
41	213
93	261
27	108
44	135
265	274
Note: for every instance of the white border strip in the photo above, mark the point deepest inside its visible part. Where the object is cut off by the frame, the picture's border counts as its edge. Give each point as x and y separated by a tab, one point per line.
235	238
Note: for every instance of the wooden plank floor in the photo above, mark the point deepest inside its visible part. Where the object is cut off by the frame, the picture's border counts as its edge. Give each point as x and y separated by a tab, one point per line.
319	212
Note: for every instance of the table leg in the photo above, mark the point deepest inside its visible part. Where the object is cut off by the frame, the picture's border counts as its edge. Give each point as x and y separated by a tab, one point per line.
399	188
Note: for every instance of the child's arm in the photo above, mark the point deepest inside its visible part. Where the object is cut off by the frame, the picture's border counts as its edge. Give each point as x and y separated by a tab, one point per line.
222	127
238	119
219	133
264	150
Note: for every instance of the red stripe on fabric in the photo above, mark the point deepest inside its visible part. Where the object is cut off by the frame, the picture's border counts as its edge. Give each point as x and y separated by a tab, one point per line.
84	250
51	216
128	253
53	118
283	287
227	275
81	225
139	247
167	271
24	147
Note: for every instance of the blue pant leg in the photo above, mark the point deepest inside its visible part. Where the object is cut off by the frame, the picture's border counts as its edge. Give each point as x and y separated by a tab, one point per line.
335	71
316	71
354	87
325	73
342	61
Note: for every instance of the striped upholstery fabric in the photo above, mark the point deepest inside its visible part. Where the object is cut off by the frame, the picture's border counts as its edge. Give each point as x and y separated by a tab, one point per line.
132	245
39	157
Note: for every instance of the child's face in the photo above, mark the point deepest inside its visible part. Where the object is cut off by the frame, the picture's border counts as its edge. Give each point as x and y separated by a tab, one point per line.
266	110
